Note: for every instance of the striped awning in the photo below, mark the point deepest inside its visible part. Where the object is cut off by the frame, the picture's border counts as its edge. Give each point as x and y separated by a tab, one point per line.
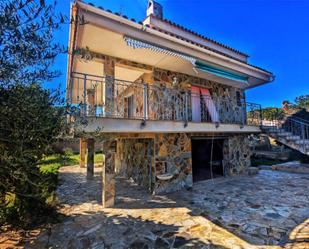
197	65
137	44
221	72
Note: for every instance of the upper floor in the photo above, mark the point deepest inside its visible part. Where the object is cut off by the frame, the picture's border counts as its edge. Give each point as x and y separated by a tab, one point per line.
157	71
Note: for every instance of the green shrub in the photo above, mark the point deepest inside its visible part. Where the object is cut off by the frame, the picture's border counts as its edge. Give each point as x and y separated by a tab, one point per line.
68	152
29	124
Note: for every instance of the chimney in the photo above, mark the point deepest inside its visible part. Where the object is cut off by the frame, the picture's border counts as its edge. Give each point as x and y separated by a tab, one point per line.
154	9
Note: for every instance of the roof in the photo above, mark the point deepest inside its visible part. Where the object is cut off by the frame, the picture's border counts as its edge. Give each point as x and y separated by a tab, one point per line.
204	37
184	39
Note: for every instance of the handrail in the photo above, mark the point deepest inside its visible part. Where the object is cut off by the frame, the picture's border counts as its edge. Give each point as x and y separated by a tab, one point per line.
298	119
108	97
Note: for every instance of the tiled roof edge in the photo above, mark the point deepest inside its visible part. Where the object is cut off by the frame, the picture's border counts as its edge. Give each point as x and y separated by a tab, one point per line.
178	37
203	37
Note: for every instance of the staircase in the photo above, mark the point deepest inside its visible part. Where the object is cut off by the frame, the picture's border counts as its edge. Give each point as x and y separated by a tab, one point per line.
292	132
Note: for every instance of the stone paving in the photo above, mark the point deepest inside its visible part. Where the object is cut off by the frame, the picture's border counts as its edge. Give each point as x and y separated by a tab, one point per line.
269	210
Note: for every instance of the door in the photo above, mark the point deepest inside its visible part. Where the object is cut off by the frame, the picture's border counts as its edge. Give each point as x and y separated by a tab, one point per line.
207	156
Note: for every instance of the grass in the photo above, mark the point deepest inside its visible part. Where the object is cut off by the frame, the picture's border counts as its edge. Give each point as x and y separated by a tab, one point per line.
51	163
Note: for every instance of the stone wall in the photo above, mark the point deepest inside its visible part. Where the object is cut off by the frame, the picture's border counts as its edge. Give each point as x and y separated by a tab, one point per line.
173	156
237	154
136	156
171	153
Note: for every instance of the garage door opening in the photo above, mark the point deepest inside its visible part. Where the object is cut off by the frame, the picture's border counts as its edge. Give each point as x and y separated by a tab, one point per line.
207	156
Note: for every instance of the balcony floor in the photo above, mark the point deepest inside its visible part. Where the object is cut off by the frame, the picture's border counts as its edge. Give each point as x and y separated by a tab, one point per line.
114	125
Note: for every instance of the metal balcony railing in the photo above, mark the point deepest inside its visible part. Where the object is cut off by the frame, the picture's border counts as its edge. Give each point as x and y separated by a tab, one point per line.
108	97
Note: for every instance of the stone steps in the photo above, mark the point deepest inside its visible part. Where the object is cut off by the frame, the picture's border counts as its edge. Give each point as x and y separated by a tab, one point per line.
288	138
285	134
302	141
293	137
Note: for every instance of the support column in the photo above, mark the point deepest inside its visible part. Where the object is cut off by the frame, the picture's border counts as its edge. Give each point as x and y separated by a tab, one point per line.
148	105
109	73
82	152
108	174
90	158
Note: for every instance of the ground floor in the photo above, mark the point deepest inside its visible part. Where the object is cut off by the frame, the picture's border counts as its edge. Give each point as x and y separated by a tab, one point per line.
268	210
167	162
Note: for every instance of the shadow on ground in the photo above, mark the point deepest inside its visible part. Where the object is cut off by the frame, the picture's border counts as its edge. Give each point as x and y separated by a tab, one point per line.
239	212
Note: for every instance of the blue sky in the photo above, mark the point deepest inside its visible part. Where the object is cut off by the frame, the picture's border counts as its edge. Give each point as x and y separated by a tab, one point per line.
275	33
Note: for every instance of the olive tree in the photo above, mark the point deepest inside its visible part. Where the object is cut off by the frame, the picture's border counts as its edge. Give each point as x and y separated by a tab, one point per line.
29	117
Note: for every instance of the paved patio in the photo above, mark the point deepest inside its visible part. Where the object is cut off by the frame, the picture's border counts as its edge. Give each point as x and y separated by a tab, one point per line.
269	210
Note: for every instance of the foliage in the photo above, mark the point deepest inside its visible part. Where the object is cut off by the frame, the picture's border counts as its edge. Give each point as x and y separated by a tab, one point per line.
273	113
29	123
302	101
27	49
30	120
51	163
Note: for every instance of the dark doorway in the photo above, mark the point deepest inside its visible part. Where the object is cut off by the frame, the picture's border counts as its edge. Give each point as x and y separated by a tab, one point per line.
201	158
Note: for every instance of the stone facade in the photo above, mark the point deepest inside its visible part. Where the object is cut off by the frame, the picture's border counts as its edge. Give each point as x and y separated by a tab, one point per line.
167	93
136	159
108	173
170	153
237	154
173	156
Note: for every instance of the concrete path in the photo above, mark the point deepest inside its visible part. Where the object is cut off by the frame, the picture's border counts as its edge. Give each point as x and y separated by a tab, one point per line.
269	210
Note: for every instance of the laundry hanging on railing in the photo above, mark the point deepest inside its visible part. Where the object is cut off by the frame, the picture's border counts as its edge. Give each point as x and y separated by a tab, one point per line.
202	102
196	104
210	105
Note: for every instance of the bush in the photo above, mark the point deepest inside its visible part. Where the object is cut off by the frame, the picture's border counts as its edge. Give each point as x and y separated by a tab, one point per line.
68	152
29	124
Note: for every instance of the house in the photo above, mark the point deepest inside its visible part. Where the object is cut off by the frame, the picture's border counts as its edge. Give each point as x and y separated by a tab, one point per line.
167	104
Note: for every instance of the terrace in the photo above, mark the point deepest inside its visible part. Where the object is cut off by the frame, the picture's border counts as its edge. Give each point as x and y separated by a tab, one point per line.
157	107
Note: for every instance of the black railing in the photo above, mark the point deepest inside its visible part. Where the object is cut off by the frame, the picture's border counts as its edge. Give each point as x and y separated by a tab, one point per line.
108	97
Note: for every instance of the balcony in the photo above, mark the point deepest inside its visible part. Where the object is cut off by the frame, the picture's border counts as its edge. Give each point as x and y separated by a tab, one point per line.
156	107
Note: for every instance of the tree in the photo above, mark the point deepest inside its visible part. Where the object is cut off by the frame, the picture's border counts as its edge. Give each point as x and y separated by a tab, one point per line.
273	113
27	49
29	118
30	122
302	101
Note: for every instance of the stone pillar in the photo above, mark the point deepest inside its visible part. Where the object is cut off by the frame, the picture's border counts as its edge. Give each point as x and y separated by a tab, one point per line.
91	102
108	174
109	73
82	152
90	158
148	79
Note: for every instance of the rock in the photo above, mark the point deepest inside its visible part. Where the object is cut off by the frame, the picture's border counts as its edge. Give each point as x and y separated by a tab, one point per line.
273	215
265	167
79	243
169	234
179	241
161	243
255	206
93	229
253	171
139	244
